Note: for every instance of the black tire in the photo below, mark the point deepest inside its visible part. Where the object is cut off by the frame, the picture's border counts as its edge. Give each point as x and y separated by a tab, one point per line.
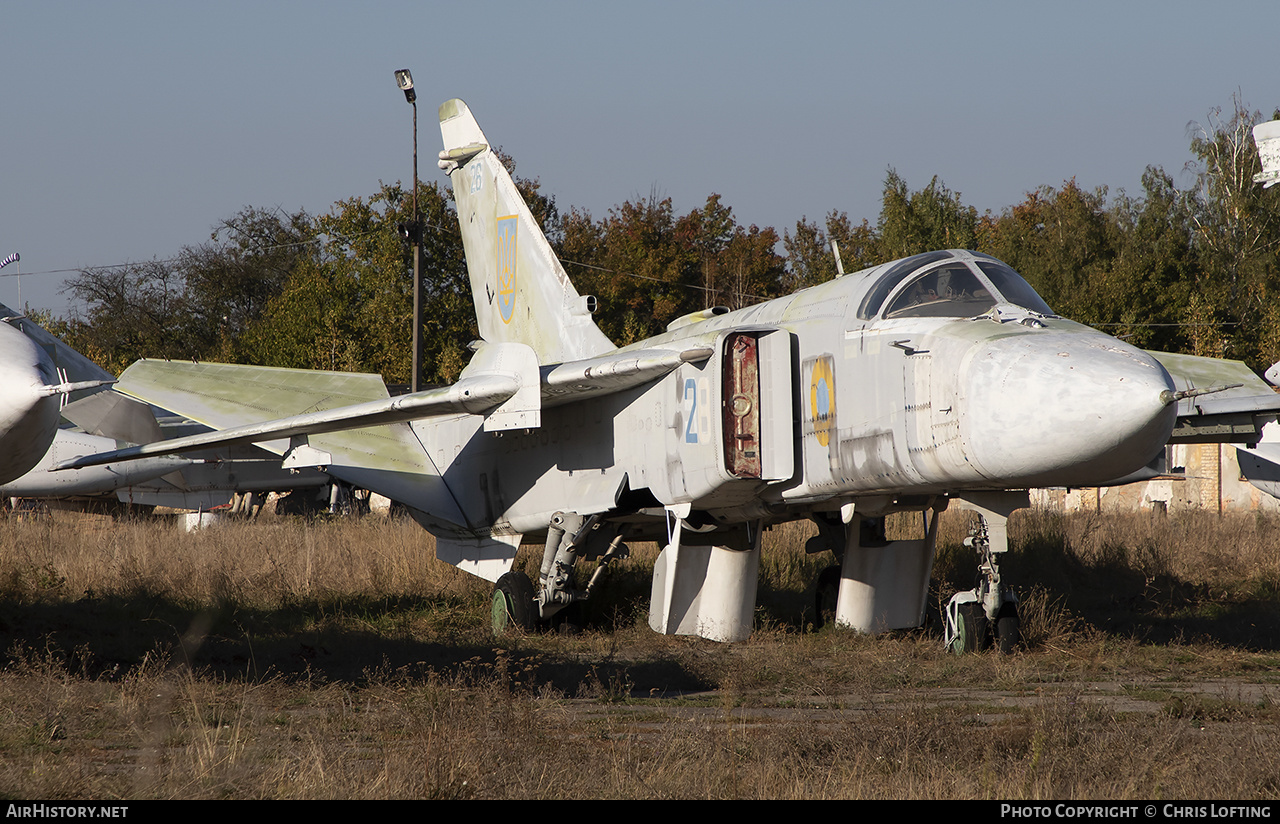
1008	628
825	596
971	629
512	605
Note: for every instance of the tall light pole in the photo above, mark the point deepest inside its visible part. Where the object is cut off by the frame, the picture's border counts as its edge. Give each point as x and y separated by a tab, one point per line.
405	81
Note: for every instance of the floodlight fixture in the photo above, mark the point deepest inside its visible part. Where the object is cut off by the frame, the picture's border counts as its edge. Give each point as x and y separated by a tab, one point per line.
404	79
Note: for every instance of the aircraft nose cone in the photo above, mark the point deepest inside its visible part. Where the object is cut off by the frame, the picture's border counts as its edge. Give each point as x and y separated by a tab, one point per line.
1065	409
28	417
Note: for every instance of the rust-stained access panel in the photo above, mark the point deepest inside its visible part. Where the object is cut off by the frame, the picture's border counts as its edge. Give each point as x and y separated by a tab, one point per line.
742	406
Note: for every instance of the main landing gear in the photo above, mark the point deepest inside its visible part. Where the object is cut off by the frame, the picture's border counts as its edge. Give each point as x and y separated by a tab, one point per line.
513	604
570	538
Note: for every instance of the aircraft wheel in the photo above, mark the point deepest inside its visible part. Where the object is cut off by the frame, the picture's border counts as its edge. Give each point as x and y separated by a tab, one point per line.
1008	628
971	629
825	597
512	606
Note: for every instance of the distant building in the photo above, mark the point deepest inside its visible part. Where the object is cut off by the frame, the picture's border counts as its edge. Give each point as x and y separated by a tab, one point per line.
1198	476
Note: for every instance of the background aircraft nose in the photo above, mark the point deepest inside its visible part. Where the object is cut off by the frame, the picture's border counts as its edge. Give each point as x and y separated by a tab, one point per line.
1064	409
28	417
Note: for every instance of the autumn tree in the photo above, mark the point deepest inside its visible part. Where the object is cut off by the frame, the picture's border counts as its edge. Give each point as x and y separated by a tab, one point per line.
647	266
751	270
633	262
737	265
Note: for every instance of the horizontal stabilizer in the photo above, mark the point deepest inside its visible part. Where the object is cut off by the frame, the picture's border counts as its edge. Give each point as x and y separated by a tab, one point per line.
67	387
252	404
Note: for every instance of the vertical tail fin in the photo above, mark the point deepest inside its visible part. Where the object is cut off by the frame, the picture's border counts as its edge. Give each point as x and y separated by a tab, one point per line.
521	292
1267	136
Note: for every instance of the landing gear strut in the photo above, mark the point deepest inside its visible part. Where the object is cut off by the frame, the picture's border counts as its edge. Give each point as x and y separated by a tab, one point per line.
570	538
987	614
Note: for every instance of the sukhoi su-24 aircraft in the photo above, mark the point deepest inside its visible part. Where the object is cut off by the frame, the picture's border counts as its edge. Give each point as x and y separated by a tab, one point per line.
941	379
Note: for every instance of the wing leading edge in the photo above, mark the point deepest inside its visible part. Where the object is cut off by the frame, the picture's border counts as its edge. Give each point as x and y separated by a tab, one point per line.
499	384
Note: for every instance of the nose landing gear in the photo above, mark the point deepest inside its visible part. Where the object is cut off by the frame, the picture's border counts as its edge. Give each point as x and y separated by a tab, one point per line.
986	615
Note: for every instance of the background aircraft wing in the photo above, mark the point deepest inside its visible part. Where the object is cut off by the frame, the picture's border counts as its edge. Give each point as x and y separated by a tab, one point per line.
1235	414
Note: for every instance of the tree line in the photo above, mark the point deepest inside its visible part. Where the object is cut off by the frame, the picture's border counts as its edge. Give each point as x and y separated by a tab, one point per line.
1189	270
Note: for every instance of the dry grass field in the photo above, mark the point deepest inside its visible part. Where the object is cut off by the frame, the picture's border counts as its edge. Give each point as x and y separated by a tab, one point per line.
339	659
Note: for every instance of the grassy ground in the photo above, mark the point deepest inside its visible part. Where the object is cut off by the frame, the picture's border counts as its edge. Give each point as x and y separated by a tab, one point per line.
340	660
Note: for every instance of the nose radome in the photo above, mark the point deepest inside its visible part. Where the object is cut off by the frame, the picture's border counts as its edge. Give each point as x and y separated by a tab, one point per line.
1067	409
28	415
23	369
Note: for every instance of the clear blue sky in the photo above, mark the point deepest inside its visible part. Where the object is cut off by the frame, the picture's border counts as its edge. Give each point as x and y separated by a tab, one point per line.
129	129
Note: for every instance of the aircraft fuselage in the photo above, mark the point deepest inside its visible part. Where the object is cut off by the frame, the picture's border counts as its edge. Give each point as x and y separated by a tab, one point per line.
836	406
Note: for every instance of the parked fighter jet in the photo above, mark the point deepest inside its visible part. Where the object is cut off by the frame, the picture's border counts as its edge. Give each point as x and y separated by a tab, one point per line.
939	379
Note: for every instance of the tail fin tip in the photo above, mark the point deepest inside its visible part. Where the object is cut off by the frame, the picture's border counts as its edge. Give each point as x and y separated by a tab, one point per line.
458	126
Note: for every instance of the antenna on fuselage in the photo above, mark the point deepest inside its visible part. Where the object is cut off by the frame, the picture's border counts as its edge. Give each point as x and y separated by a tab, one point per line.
835	250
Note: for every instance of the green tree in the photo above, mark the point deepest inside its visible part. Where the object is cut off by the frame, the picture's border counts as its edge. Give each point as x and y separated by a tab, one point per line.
1236	232
810	260
350	308
923	221
230	281
1063	241
1152	275
138	310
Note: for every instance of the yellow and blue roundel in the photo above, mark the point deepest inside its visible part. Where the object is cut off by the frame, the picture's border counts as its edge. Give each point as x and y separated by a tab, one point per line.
507	267
822	398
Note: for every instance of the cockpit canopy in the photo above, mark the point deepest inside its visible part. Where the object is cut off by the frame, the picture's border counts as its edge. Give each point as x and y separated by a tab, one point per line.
947	285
